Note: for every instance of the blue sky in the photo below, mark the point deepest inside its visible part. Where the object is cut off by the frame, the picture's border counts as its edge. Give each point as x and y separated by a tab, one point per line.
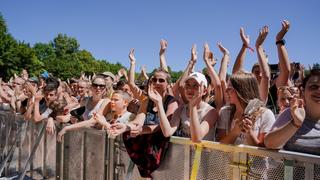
108	29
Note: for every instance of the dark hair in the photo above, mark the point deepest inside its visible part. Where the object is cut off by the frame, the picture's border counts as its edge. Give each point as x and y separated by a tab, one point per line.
315	71
51	86
256	65
73	80
120	84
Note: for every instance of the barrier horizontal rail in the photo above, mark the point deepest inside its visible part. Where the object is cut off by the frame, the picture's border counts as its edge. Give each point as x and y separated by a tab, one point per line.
90	154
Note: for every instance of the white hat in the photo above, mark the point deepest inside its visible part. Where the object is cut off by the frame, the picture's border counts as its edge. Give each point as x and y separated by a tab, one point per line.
107	73
199	77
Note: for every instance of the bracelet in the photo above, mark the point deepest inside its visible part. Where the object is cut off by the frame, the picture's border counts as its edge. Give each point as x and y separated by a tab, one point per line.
282	42
250	48
294	124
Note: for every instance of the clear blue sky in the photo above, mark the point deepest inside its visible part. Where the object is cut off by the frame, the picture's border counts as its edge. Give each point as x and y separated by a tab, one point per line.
108	29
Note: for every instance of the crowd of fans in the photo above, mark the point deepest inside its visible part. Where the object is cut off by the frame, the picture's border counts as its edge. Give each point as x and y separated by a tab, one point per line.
273	106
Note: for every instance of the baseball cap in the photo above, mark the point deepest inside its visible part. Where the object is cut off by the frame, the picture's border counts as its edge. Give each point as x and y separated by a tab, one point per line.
199	77
34	80
108	73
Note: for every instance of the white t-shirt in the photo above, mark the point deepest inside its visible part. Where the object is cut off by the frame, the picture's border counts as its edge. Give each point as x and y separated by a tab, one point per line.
263	123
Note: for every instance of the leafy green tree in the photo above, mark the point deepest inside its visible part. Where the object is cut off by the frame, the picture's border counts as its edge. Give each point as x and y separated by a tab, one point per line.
15	56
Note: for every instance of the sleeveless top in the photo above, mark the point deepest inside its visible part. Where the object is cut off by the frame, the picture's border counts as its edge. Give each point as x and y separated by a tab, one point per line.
152	117
89	112
184	127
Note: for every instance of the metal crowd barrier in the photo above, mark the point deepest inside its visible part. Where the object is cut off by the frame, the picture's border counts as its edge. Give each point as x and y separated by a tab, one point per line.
89	154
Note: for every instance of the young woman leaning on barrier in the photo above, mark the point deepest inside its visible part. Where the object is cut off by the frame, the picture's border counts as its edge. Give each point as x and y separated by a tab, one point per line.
246	120
92	105
195	119
298	127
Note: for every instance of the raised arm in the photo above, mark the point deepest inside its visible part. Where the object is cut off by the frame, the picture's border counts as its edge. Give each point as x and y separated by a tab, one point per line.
163	62
199	129
143	74
137	92
178	86
225	61
284	62
238	65
164	117
36	112
215	80
263	63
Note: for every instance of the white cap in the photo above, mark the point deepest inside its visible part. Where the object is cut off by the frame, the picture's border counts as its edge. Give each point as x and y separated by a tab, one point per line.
199	77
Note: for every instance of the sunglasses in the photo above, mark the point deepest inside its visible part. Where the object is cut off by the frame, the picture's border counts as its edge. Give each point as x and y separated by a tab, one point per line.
102	86
160	80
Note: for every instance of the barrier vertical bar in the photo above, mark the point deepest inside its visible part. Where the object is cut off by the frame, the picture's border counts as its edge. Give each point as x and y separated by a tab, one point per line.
288	169
111	158
196	162
83	154
186	164
309	171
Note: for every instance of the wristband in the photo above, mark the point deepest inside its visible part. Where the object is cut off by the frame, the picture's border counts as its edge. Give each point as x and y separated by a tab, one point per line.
282	42
294	124
250	48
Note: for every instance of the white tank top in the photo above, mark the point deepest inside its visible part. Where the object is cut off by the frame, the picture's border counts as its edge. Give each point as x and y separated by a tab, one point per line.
89	113
185	121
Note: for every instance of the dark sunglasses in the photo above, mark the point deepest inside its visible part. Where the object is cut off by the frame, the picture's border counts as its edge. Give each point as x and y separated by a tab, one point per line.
98	85
160	80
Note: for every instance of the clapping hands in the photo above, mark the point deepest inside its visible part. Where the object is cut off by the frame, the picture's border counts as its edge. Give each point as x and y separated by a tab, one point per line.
285	28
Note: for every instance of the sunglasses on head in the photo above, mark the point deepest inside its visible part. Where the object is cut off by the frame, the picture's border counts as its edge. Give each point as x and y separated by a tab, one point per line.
160	80
98	85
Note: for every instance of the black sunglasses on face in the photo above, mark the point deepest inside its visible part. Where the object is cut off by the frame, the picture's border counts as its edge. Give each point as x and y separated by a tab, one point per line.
98	85
160	80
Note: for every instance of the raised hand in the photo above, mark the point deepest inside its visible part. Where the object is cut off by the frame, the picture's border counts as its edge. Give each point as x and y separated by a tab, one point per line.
153	94
285	28
122	72
38	96
24	74
225	51
245	38
194	53
263	33
143	69
298	112
222	48
208	55
31	89
131	56
163	46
